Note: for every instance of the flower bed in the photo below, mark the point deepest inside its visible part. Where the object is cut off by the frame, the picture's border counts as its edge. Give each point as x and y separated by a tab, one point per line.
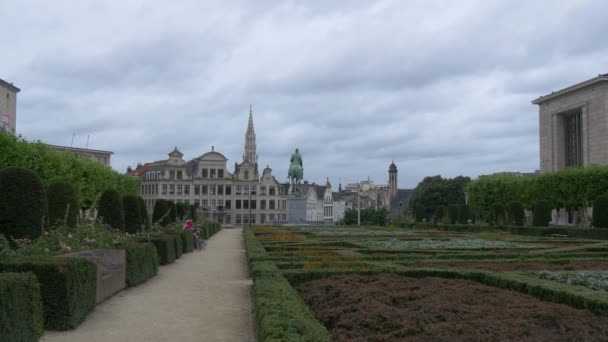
596	280
444	244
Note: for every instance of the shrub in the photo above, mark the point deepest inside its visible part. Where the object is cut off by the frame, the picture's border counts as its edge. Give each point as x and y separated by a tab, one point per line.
182	211
142	262
542	214
23	203
173	212
464	214
452	213
132	215
498	214
187	241
165	247
419	213
177	241
161	208
20	307
516	213
439	214
62	200
67	286
600	212
143	212
111	210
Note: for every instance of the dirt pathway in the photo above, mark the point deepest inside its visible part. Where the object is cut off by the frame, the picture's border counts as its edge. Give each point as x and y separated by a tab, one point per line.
203	296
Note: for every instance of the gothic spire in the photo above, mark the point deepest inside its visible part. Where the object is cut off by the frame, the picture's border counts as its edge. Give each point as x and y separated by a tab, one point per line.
250	148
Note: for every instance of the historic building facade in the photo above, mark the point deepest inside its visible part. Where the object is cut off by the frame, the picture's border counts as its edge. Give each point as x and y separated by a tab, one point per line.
8	106
573	124
242	197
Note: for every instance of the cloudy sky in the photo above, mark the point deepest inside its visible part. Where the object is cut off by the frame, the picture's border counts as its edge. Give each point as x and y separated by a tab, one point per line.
440	87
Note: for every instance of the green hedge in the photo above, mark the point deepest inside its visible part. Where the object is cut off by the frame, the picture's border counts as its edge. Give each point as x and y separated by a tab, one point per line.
142	262
253	247
20	307
165	246
600	212
131	213
111	210
68	287
177	242
581	233
61	195
187	241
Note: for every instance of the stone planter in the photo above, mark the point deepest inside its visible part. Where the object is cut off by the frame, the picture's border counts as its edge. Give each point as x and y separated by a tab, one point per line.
111	270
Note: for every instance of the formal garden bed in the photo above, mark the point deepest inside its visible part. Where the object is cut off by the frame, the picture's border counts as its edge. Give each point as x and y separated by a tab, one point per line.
314	287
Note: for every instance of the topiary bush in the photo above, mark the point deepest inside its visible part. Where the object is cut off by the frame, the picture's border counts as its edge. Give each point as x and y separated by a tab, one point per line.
20	307
600	212
439	214
160	211
23	203
419	213
452	213
165	247
542	214
142	262
173	213
464	214
143	212
111	209
63	204
516	215
132	215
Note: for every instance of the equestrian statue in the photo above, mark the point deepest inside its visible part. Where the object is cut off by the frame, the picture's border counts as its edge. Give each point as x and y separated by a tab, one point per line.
296	172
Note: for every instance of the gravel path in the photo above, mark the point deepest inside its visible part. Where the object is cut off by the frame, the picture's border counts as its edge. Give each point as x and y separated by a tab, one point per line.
203	296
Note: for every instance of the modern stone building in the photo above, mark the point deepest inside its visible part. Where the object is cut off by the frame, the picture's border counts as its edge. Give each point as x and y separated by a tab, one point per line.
99	156
8	106
240	197
573	125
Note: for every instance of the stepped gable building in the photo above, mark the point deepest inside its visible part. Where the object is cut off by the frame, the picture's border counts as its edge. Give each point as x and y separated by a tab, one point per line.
573	124
240	197
8	106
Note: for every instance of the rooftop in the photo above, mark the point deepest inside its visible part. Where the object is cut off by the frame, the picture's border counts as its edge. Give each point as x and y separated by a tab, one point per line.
592	81
9	86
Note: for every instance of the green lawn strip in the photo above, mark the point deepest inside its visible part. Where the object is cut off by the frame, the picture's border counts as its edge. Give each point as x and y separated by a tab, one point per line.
591	247
595	280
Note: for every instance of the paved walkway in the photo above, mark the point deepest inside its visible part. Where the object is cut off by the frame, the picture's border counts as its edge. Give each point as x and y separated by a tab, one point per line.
203	296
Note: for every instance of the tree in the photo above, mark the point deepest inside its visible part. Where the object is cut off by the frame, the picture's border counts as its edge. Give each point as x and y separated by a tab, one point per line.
143	212
440	213
600	212
63	204
162	212
498	216
435	191
542	214
23	203
111	209
464	214
452	213
516	213
133	223
420	213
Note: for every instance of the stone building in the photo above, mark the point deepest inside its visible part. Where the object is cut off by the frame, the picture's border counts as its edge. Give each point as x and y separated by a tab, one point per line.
99	156
240	197
8	106
573	123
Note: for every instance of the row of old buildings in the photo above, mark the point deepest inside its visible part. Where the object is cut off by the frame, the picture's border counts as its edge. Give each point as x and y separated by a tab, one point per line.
242	196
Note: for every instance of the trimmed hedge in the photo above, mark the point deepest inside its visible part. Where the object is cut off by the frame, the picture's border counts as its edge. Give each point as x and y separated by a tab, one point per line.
23	203
143	212
165	247
582	233
133	222
142	262
187	241
464	214
20	307
161	212
516	213
67	286
111	210
60	195
452	213
542	214
600	212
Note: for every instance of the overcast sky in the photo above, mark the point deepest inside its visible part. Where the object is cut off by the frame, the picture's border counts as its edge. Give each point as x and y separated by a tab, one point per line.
440	87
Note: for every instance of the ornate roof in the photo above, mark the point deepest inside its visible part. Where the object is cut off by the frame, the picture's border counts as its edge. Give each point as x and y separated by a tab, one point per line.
392	167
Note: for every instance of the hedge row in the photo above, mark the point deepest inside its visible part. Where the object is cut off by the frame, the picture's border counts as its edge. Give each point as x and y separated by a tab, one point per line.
209	229
165	246
187	241
582	233
68	287
142	262
20	307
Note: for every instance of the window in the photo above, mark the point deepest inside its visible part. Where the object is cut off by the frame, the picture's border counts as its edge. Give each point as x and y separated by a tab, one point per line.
253	206
245	204
156	190
228	190
238	218
171	174
220	189
164	189
238	204
179	174
281	190
238	189
227	219
220	173
271	204
187	189
270	217
271	191
573	137
262	218
205	173
213	204
252	218
228	204
204	204
179	189
262	190
245	190
212	189
246	174
245	218
212	173
262	204
197	189
220	203
196	204
172	189
204	189
253	189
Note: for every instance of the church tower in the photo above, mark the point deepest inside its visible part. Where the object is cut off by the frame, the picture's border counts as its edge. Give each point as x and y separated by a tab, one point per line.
392	180
250	149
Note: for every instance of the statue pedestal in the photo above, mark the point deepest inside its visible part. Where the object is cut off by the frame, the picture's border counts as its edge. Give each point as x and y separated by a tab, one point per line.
296	208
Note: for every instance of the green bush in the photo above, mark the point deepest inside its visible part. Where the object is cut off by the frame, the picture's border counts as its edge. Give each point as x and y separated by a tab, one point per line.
516	213
542	214
165	246
62	200
23	203
67	286
439	214
498	215
600	212
133	223
464	214
142	262
143	212
452	213
162	212
172	212
419	213
179	247
182	211
111	210
20	307
187	240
